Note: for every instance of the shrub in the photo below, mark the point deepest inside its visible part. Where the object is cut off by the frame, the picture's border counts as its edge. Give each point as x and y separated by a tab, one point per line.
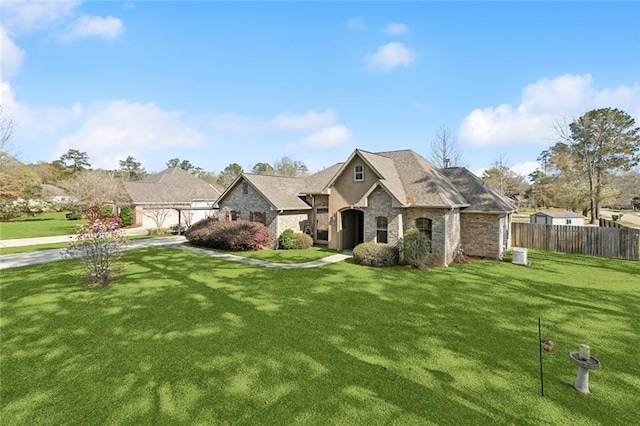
73	216
232	236
98	245
375	254
302	241
126	216
106	212
286	239
9	211
615	217
415	248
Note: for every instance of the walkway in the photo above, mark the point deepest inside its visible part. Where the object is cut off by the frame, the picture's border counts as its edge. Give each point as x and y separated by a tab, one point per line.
37	257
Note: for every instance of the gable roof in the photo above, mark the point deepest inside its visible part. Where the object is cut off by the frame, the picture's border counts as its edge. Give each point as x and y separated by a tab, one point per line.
280	191
482	198
424	184
317	183
171	186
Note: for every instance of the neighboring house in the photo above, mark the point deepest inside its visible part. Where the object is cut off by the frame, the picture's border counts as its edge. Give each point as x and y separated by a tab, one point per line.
377	197
558	218
55	194
164	199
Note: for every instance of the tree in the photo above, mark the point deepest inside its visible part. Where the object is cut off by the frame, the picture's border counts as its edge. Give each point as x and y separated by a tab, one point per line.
502	178
7	127
596	145
131	170
75	159
262	169
99	246
93	189
288	167
444	149
229	174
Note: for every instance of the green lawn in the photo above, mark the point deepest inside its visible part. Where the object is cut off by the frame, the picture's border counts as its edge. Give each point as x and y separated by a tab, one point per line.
285	256
45	225
185	339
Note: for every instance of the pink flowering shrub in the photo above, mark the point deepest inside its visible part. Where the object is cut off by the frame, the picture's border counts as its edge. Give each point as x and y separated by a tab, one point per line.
224	235
98	246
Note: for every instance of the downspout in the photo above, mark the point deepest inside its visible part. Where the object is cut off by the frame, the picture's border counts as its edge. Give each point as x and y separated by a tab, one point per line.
278	228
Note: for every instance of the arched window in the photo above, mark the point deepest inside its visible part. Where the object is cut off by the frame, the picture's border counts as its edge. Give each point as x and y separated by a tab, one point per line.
424	225
381	229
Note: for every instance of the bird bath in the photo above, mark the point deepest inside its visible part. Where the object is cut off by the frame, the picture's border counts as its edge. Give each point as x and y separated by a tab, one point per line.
585	362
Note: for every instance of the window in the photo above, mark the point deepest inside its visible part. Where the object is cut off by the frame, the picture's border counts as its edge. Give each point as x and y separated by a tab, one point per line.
358	173
258	217
235	215
245	188
424	225
568	221
381	229
322	223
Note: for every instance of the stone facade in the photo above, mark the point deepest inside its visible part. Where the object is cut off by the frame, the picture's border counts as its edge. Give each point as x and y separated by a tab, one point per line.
379	204
482	234
443	225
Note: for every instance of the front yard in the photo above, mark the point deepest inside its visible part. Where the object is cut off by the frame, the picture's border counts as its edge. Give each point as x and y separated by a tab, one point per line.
184	338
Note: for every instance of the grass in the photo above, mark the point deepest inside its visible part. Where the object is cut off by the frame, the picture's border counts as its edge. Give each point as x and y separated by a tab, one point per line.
184	339
45	225
284	256
52	246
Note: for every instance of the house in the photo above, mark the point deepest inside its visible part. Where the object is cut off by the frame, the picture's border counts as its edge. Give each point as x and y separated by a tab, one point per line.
170	197
377	197
55	195
558	218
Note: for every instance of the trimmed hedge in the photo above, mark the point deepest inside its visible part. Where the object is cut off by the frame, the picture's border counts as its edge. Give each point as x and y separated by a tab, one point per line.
286	239
375	254
224	235
126	215
302	241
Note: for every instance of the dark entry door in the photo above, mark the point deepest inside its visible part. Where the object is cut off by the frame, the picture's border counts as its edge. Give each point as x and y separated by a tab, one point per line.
352	228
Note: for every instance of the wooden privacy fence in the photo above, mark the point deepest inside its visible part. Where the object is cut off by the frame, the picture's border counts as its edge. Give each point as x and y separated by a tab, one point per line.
617	243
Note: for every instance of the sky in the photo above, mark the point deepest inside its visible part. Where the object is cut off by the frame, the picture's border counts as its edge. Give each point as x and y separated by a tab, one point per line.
246	82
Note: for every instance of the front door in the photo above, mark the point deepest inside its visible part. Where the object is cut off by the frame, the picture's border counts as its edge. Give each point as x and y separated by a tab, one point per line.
352	228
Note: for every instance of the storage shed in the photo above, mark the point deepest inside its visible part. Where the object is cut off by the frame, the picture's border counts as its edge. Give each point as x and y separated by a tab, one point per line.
558	218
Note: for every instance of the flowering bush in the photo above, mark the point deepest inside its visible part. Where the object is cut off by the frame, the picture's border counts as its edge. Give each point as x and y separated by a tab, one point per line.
98	246
223	235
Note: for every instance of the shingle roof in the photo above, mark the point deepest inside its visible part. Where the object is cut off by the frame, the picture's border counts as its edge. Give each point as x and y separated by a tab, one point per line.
172	185
317	182
281	191
388	171
423	183
482	198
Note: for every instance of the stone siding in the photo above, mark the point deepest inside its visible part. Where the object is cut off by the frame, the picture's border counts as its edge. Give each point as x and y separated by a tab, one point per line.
295	219
379	204
443	223
481	234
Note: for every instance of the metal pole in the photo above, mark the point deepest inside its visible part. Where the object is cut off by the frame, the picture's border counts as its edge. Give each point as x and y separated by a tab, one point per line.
540	349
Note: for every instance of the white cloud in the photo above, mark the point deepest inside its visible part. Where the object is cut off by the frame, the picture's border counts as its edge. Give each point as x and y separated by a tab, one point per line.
309	121
543	104
525	168
26	16
395	28
87	26
329	137
355	24
390	56
119	128
11	56
34	121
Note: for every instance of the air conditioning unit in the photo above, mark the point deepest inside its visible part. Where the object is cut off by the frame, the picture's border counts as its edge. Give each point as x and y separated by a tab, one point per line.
520	256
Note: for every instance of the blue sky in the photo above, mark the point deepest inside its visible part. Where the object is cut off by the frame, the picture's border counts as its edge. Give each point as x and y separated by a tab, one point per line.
248	82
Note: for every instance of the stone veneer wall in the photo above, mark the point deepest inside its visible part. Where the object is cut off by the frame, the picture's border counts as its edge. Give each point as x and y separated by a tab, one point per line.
380	205
453	237
441	226
481	234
